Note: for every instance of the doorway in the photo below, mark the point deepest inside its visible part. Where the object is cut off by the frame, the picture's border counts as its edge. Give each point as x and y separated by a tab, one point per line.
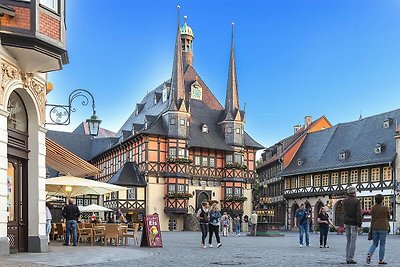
202	196
17	204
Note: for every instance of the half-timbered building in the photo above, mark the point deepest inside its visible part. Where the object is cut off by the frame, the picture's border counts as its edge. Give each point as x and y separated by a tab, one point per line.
271	203
360	153
180	146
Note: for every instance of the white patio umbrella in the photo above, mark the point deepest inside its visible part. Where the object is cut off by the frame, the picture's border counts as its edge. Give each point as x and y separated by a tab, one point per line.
93	208
71	186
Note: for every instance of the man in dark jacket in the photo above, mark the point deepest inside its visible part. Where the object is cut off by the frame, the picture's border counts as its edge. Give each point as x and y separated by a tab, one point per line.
352	220
71	213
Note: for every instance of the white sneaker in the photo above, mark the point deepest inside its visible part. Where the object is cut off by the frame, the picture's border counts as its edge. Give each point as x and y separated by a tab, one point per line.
210	246
219	245
309	245
204	246
301	245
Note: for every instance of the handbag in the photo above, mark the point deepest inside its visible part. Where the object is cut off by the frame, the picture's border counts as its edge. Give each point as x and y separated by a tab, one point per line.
370	234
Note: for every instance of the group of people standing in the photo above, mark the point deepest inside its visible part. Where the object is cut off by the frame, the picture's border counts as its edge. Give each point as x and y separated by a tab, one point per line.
211	221
380	216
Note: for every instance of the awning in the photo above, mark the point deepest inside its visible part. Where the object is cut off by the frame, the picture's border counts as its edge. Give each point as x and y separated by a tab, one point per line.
66	162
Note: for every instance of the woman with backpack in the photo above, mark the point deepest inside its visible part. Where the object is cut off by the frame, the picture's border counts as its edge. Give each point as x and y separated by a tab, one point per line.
204	219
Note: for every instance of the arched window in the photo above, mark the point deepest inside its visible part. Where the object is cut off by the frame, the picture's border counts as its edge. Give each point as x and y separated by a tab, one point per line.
18	118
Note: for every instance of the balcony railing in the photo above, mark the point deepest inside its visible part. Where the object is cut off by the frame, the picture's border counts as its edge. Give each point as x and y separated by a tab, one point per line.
176	205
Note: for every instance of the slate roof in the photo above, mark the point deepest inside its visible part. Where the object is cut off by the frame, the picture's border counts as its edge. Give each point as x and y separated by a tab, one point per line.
128	175
321	149
208	111
83	145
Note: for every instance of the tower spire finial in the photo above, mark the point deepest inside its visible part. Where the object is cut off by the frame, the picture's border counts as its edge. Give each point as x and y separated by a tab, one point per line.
177	82
232	96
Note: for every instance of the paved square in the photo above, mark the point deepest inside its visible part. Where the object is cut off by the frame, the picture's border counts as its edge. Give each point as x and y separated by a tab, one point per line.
183	249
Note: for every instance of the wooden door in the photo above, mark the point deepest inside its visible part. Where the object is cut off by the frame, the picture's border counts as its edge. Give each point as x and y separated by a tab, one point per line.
17	205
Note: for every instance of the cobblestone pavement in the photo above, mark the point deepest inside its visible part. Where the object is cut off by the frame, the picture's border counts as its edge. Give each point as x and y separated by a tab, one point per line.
183	249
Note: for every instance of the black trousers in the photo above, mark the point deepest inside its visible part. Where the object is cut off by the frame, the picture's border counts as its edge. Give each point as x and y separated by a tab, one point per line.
323	234
214	229
204	232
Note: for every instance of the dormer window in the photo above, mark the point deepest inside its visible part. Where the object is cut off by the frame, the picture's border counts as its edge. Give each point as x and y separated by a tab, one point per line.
238	130
172	121
301	162
182	122
145	124
155	99
344	154
378	148
204	128
136	112
387	122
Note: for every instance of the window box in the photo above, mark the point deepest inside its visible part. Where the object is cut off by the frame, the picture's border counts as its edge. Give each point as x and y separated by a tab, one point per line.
179	160
235	165
235	199
178	195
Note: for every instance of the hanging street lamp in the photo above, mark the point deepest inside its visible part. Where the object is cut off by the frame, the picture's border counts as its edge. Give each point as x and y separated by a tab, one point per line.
61	114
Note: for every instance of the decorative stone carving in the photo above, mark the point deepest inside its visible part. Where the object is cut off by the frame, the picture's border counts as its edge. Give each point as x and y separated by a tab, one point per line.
8	72
38	90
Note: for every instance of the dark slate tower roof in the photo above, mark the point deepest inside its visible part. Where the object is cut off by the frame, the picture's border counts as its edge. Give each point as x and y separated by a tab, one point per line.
357	139
232	95
128	175
178	99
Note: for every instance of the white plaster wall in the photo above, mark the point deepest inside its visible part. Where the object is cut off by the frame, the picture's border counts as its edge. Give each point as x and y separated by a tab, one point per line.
3	173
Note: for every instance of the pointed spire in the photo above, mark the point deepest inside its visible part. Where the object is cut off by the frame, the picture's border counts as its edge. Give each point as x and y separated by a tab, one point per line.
177	82
232	96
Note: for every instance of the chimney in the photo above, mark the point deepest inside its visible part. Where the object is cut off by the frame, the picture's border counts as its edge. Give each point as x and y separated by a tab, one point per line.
307	121
297	128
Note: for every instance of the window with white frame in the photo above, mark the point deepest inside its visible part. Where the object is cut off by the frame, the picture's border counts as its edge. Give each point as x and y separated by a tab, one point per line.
354	176
182	153
204	161
182	122
238	191
113	195
180	188
52	4
212	162
364	175
229	159
308	181
197	160
131	193
334	178
204	128
172	152
171	187
375	175
140	154
79	202
387	201
239	158
344	177
387	173
325	178
229	191
293	184
317	180
368	203
301	181
115	164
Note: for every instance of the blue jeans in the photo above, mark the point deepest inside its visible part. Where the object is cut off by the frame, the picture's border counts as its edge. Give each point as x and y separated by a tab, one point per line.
204	231
304	228
48	229
378	236
71	224
237	229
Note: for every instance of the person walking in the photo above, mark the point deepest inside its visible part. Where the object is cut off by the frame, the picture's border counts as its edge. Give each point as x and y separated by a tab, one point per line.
71	214
225	224
254	219
215	216
380	215
301	221
324	222
48	221
203	217
236	222
352	220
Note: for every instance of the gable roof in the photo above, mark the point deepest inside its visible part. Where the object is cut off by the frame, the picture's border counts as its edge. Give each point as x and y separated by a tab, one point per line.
291	140
128	175
320	150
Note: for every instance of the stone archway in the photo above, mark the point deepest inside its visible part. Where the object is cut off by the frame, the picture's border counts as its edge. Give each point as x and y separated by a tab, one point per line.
338	213
32	93
295	207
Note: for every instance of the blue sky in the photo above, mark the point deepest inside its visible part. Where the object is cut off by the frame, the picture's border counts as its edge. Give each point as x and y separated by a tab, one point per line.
294	58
